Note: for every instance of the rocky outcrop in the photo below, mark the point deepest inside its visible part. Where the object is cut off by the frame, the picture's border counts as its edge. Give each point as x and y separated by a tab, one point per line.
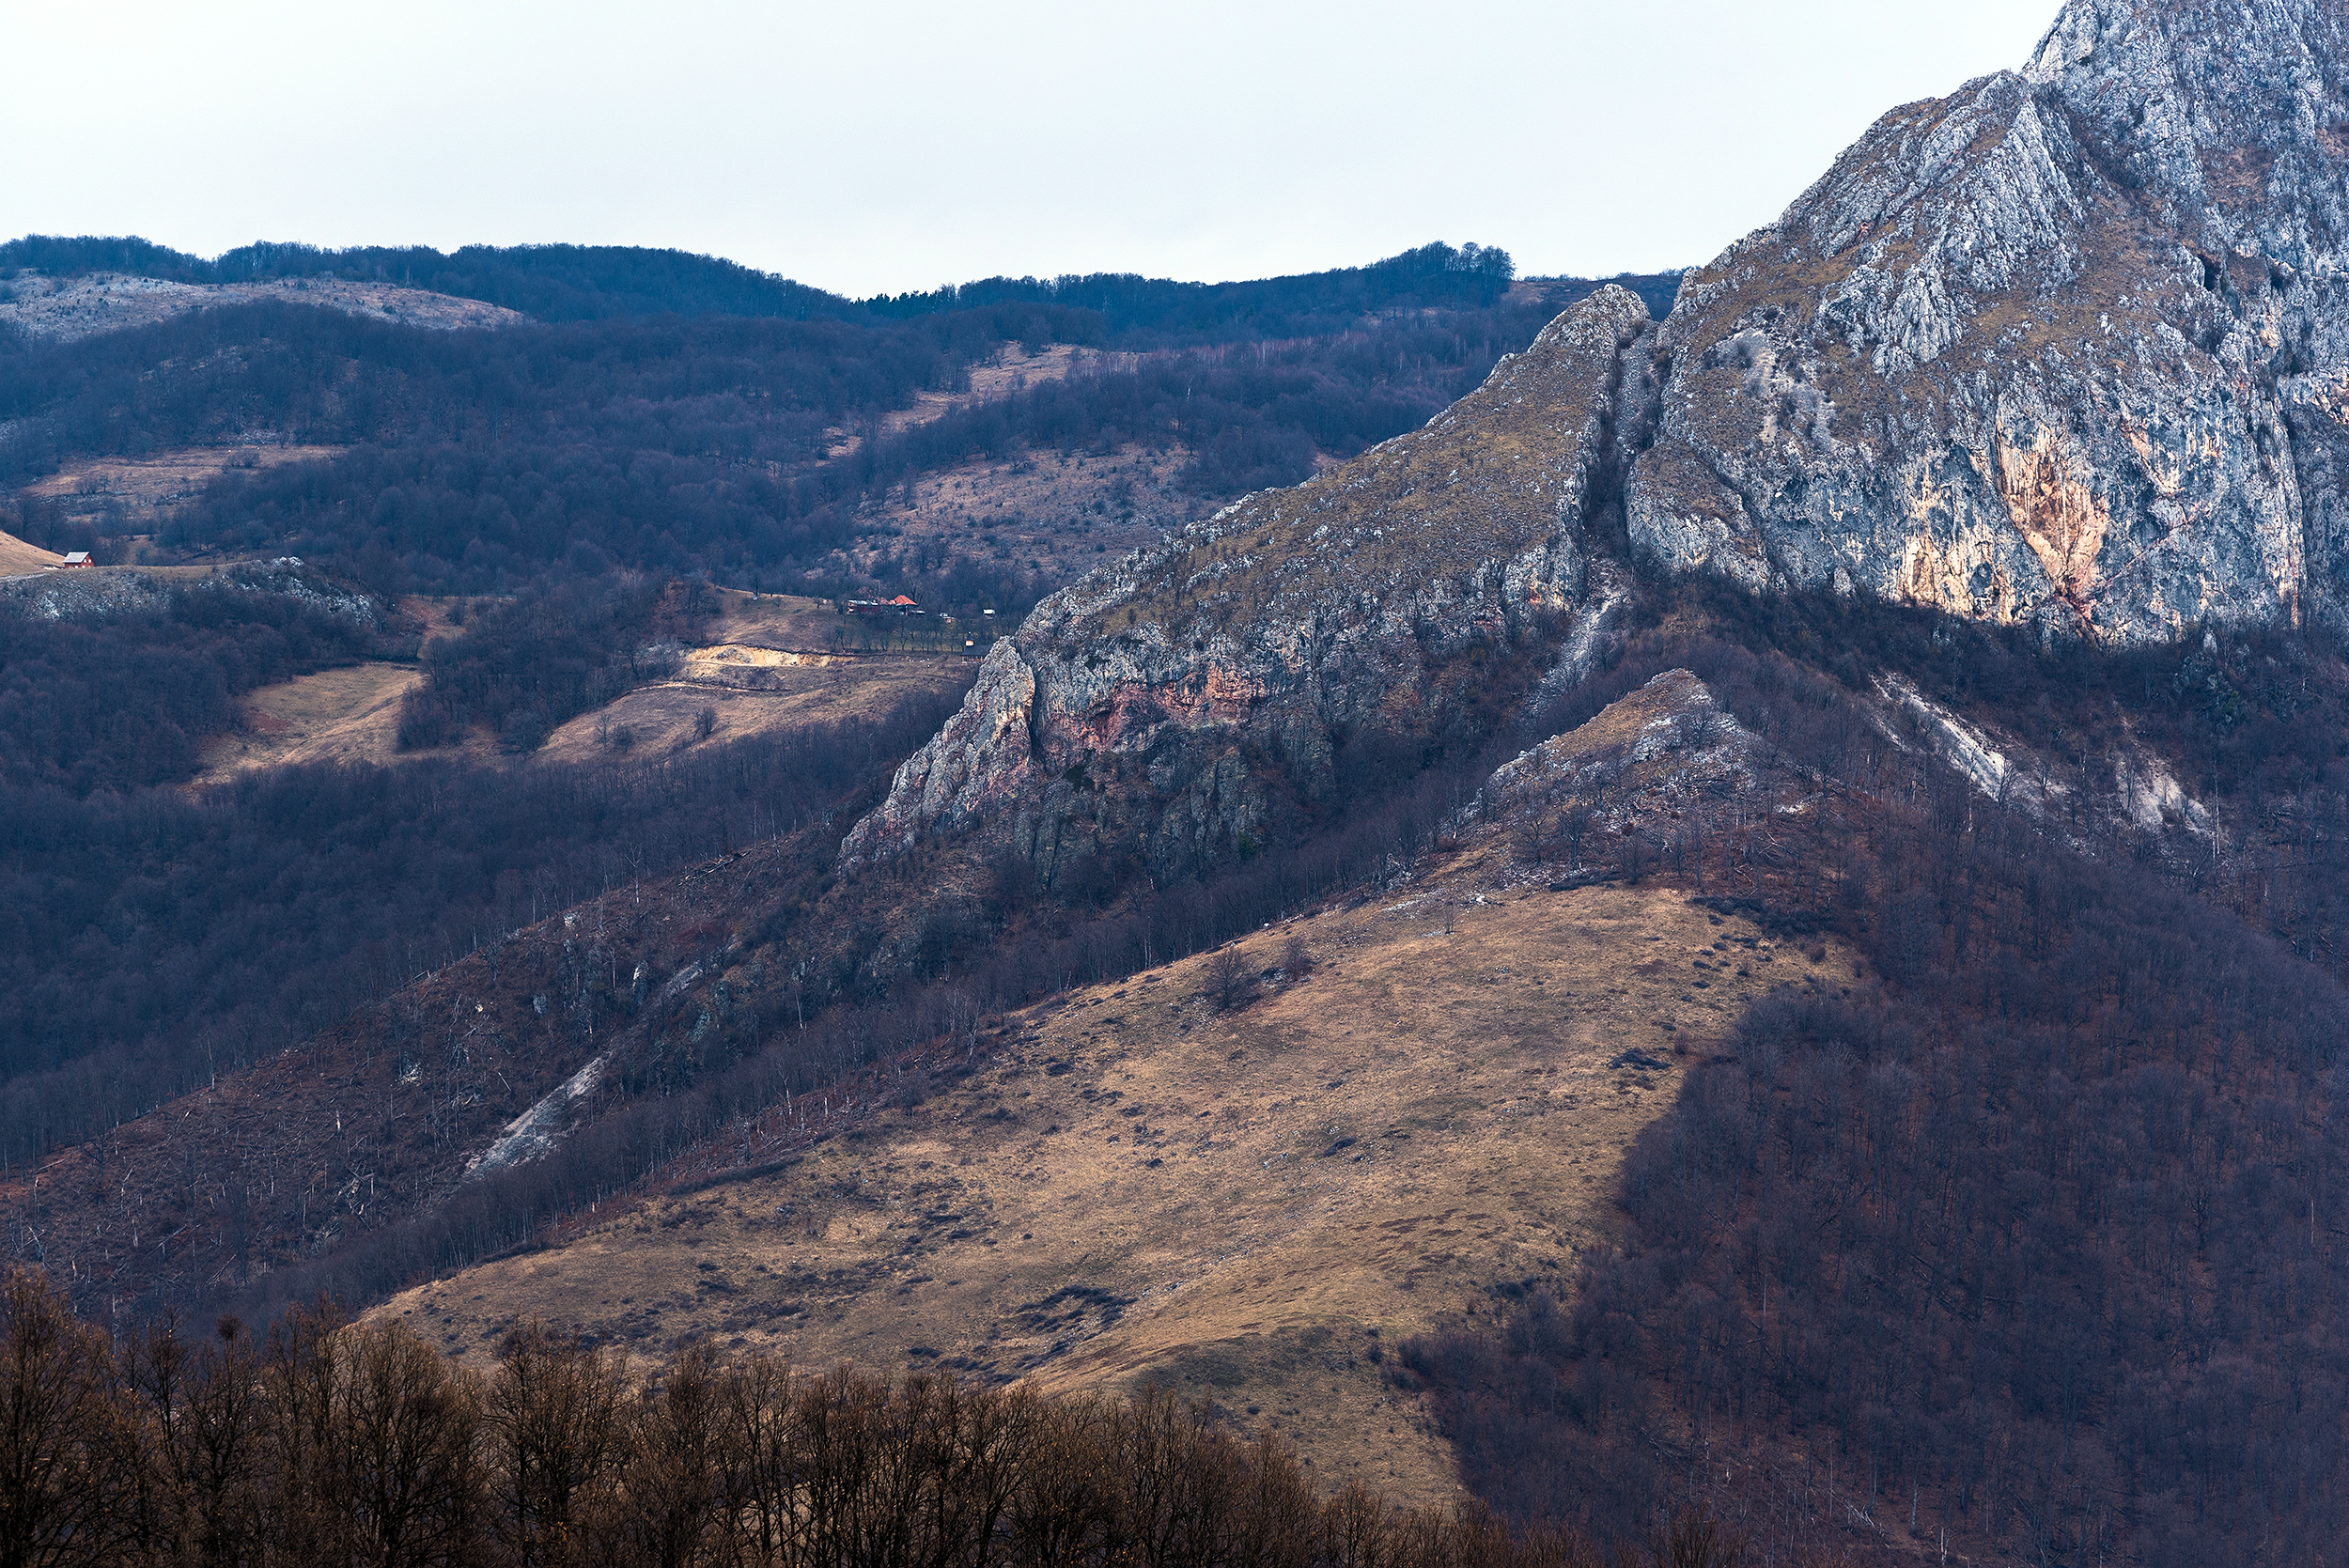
1666	755
107	591
1170	707
2065	348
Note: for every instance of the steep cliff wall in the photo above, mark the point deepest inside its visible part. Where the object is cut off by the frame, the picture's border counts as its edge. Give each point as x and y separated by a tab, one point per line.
2065	348
2068	349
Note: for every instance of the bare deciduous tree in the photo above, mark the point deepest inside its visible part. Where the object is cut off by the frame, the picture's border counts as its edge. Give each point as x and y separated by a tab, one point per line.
551	1420
1296	959
1231	983
64	1444
361	1445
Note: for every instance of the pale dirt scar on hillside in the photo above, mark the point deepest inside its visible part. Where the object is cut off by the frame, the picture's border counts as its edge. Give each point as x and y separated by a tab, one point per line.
1253	1207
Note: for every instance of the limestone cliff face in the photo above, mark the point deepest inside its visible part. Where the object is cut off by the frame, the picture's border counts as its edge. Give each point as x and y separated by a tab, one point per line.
1169	706
2067	347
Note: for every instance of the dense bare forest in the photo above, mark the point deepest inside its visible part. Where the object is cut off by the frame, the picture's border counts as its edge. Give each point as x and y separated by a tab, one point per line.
675	428
2024	1235
319	1444
150	939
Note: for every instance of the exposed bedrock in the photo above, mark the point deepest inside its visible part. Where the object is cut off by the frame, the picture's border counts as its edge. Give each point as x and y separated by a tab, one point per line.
1169	706
2068	349
2063	348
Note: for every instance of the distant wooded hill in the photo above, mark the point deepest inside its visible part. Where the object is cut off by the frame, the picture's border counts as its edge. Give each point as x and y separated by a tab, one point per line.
585	282
679	414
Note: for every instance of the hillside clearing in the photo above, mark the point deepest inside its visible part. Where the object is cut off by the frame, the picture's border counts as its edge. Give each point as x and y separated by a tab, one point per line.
350	715
19	559
752	682
1252	1207
136	495
663	718
1057	514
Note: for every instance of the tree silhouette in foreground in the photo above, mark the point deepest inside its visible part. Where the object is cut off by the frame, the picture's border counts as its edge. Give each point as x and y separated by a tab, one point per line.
332	1444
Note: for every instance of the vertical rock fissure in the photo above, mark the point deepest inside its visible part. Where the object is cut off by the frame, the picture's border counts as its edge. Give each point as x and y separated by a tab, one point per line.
1626	429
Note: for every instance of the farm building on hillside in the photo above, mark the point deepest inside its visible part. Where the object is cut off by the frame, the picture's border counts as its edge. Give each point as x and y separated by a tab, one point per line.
79	558
898	606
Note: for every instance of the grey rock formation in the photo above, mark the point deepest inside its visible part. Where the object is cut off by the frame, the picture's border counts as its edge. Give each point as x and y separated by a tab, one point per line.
1667	753
1168	708
2068	347
80	595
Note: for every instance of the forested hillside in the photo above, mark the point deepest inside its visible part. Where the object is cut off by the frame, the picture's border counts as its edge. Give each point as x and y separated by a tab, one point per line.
2017	1242
669	419
680	415
553	283
575	283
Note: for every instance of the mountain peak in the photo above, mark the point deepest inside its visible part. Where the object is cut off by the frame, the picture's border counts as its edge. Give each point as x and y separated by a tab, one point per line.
2058	350
2065	350
2231	120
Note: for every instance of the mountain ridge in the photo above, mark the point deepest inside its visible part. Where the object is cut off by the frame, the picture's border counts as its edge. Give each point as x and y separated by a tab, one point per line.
1895	389
2027	353
559	282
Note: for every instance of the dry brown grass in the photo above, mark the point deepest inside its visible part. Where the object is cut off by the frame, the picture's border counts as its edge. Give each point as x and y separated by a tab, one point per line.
19	559
782	621
663	718
135	495
754	688
1250	1206
339	716
1009	370
1038	513
766	667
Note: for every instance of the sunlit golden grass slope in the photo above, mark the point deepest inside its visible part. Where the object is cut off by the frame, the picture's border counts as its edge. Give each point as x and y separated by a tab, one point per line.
1252	1206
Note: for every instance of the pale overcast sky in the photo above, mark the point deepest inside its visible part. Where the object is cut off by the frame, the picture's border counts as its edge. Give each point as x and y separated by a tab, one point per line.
904	143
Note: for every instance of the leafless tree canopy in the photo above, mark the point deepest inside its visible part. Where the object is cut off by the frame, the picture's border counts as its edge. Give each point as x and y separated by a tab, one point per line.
1231	983
330	1444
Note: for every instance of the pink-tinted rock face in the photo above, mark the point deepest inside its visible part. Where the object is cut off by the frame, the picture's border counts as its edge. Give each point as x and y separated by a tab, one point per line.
1163	708
2059	348
2068	349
